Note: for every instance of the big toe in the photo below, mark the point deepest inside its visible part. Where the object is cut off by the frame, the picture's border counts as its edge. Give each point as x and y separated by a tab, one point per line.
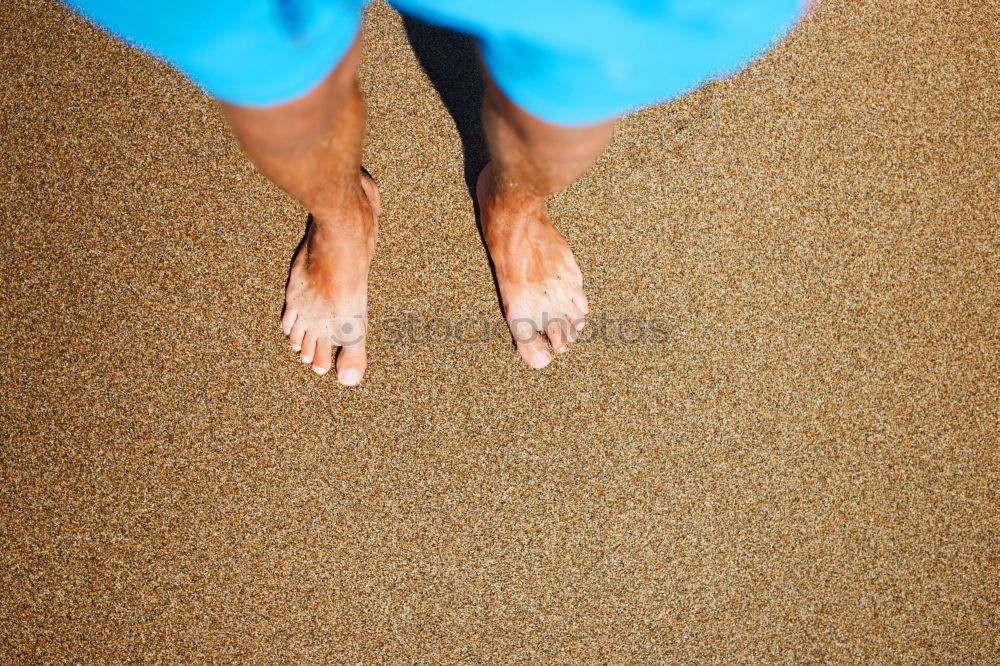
351	364
530	344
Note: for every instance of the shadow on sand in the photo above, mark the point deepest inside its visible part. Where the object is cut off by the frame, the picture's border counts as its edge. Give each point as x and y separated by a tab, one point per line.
451	62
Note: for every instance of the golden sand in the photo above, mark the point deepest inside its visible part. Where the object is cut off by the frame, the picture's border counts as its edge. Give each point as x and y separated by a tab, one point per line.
800	465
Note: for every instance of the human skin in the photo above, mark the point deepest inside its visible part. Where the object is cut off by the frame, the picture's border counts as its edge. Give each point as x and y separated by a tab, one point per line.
311	148
540	282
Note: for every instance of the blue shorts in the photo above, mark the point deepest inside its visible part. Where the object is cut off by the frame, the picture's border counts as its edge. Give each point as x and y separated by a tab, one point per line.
568	62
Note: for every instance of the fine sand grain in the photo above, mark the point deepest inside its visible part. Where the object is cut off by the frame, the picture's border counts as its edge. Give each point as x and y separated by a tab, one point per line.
776	441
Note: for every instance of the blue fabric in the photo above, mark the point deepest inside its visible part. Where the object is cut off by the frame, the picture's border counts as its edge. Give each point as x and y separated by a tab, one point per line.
256	53
579	62
568	62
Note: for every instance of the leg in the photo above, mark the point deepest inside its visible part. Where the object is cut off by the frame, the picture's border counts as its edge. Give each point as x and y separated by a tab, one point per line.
540	283
311	148
566	66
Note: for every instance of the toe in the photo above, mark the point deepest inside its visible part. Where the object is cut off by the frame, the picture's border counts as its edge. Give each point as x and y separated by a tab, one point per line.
296	334
575	317
530	345
288	320
571	323
558	332
351	363
323	358
308	347
580	301
535	354
576	320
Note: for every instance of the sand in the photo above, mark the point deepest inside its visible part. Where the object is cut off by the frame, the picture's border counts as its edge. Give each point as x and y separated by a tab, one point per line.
787	452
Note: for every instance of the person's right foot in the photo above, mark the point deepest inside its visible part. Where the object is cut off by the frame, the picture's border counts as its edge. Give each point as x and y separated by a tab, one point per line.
326	300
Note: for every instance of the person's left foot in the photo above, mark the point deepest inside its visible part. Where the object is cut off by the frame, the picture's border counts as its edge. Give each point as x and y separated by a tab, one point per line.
540	283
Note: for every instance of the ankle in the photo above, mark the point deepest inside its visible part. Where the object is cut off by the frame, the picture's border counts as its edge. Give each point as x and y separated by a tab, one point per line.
349	206
342	224
504	196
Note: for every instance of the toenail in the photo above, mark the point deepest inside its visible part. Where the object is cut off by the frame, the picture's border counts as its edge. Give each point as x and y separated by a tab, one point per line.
306	359
350	377
562	349
296	347
538	359
320	371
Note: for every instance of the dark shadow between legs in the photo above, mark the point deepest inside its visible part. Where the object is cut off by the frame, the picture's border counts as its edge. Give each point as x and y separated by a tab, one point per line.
451	62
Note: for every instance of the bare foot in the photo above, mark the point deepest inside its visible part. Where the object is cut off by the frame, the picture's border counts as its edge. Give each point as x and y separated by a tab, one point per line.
540	283
326	300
